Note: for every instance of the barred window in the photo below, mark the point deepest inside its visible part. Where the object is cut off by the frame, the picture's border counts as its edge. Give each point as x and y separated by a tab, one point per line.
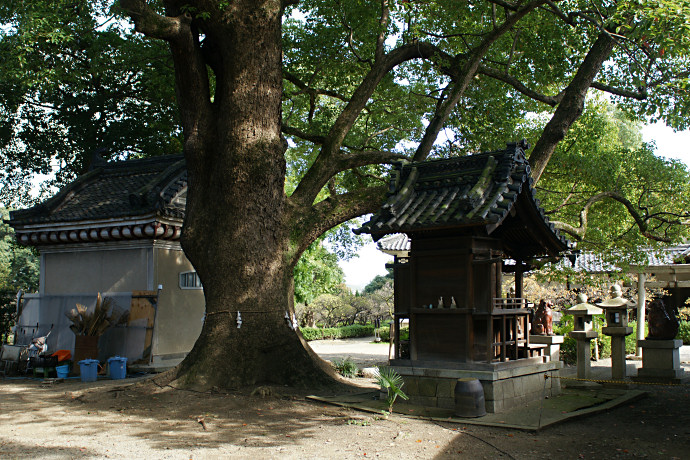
190	280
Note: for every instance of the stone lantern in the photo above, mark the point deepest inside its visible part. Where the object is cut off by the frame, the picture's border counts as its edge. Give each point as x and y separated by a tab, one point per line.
616	311
616	308
583	332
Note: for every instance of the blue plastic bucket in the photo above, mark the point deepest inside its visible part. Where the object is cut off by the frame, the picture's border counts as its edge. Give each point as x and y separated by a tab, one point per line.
89	370
118	367
62	371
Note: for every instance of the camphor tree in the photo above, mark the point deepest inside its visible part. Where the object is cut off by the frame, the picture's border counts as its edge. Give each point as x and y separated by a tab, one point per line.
330	93
622	197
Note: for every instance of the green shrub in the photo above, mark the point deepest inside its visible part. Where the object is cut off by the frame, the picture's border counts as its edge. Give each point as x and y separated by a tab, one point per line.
344	332
569	346
346	367
684	332
384	333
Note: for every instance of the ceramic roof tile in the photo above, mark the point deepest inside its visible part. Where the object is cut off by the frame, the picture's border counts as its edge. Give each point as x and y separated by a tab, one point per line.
472	191
113	190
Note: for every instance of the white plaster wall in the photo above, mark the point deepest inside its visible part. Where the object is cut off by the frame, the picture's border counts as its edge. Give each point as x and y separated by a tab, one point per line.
180	311
97	270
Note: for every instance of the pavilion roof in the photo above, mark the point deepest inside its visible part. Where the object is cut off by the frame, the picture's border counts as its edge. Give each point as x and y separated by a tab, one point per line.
123	189
484	194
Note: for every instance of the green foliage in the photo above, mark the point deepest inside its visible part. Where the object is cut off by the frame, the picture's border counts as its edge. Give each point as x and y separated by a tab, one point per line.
378	282
392	383
73	81
19	270
346	367
344	332
384	333
316	273
603	154
684	332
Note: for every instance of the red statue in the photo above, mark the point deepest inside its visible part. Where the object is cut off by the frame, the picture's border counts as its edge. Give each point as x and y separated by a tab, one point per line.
543	319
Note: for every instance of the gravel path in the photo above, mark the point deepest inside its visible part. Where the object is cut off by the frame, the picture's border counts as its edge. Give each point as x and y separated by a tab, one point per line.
363	351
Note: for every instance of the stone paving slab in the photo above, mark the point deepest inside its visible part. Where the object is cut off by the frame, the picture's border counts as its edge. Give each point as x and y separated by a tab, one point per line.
531	417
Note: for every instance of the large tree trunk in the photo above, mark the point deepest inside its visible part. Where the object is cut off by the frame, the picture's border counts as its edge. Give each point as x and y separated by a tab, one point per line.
237	222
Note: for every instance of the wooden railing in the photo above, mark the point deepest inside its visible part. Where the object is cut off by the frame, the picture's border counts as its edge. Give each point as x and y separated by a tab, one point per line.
509	329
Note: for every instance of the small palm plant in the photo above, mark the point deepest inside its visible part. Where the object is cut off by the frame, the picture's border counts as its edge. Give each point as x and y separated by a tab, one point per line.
391	381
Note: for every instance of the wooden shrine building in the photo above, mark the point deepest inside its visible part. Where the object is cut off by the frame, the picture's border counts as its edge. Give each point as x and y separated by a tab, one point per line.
469	220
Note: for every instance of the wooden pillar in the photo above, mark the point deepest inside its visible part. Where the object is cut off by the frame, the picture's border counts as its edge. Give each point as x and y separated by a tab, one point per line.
518	279
498	278
641	310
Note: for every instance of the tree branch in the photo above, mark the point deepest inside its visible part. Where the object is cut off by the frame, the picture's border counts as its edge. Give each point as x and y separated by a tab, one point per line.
152	24
580	231
372	157
507	5
326	163
383	24
639	95
466	73
333	211
196	111
350	38
553	101
316	139
292	78
572	104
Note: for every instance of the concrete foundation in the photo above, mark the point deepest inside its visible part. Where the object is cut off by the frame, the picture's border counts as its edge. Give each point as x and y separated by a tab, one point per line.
506	385
660	361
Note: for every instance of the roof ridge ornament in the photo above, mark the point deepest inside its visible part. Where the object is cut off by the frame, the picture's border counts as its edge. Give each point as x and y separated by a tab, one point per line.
97	161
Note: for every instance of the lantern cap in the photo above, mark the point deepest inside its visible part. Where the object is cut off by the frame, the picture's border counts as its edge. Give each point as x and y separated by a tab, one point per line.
584	308
616	300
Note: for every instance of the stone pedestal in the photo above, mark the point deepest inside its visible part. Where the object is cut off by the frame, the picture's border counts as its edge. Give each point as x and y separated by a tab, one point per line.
506	385
660	361
617	334
584	352
553	345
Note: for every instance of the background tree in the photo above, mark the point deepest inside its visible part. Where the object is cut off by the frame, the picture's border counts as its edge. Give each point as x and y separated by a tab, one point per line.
367	83
378	282
333	310
607	190
316	273
76	80
19	270
382	302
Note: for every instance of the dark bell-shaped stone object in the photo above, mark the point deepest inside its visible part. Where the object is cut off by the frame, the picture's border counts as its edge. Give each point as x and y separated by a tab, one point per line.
663	324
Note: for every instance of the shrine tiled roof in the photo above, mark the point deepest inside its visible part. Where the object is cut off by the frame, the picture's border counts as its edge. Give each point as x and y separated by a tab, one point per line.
123	189
474	191
398	243
593	263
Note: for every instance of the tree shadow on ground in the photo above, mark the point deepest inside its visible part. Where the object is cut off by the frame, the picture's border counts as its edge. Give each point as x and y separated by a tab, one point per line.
169	418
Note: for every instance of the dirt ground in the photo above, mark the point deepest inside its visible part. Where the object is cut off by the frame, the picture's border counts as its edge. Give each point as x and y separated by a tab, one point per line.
135	418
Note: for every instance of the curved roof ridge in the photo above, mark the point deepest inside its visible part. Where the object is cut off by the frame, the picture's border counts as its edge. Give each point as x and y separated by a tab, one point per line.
474	193
105	193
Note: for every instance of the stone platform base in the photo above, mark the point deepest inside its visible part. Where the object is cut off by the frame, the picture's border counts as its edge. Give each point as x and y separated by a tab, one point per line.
660	361
553	345
506	385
